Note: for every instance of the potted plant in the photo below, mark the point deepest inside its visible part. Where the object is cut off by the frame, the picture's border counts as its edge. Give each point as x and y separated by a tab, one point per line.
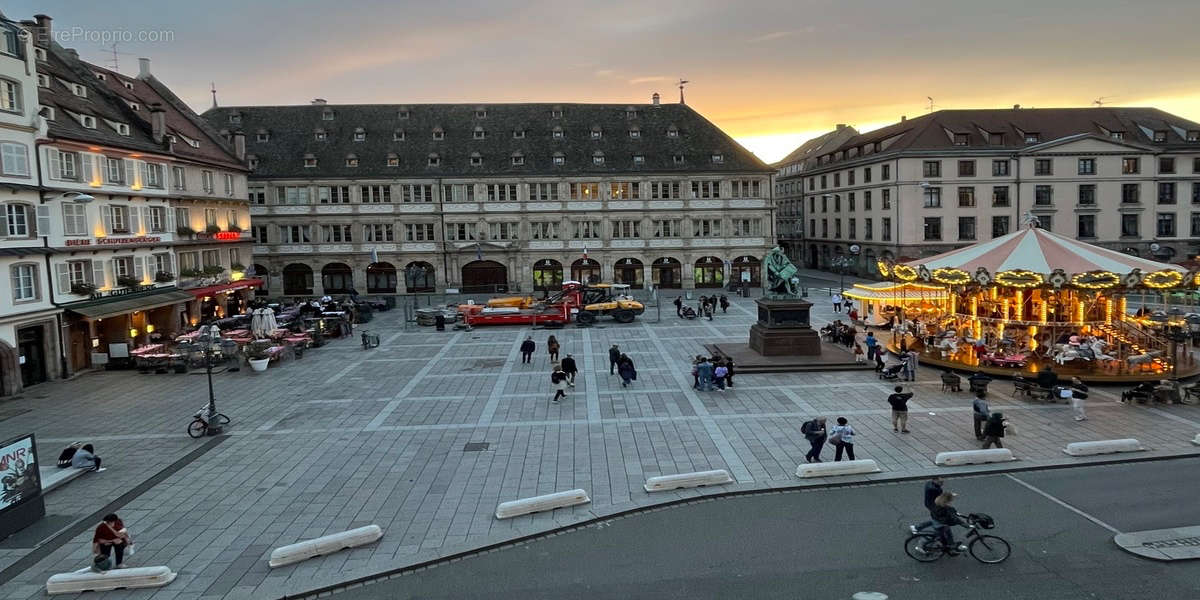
185	230
191	272
83	288
234	228
128	281
259	359
213	270
237	267
212	229
164	277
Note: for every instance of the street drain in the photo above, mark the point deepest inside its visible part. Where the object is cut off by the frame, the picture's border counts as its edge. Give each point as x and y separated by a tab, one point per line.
475	447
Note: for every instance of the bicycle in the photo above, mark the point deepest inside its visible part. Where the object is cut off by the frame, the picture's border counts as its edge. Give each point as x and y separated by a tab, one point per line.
989	549
369	340
199	427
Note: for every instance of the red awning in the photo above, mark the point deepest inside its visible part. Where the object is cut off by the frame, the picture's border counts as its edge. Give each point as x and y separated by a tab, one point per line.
226	287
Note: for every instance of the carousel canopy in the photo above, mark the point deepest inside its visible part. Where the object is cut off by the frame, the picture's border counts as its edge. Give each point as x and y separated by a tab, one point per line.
886	291
1040	251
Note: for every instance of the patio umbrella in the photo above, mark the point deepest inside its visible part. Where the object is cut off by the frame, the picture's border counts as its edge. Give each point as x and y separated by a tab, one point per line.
269	324
256	320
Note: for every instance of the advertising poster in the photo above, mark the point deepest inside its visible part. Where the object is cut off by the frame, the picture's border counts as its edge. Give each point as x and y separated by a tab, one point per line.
18	472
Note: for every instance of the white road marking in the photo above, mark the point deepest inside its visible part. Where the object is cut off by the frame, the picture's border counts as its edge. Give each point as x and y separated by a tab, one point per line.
1055	500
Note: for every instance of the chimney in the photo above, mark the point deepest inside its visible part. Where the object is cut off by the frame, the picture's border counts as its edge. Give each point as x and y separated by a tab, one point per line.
1016	107
73	52
44	30
903	118
158	122
841	126
318	101
654	99
143	68
239	144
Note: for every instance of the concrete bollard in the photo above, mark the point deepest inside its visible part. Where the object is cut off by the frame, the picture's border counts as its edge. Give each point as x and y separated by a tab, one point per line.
326	544
973	457
841	467
86	580
664	483
1196	441
1103	447
525	506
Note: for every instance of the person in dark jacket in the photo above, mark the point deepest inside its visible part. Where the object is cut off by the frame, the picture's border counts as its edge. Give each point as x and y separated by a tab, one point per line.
1079	393
814	432
626	371
724	304
614	354
946	518
570	368
552	347
558	379
729	372
979	382
933	489
679	307
527	348
899	402
993	431
1047	379
981	411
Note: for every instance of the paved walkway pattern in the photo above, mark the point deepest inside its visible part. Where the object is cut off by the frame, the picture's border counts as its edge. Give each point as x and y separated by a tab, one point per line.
347	437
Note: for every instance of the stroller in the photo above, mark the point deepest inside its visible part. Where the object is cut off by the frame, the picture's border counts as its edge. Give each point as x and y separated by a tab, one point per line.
891	373
688	312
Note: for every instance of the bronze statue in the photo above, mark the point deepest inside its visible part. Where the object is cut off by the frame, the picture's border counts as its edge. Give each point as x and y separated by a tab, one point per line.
781	275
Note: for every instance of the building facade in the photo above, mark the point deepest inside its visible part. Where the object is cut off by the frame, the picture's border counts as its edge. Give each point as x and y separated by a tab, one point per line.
1123	178
789	189
384	199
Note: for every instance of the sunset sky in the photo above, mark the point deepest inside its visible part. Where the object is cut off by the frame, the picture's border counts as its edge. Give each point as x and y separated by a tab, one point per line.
771	74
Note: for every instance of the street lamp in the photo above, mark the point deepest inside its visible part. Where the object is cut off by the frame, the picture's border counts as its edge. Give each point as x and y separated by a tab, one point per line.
210	339
843	261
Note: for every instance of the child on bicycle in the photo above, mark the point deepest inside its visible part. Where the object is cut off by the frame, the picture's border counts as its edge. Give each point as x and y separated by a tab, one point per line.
946	517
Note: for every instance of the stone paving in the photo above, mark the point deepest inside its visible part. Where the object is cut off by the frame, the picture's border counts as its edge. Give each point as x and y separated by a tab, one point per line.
347	437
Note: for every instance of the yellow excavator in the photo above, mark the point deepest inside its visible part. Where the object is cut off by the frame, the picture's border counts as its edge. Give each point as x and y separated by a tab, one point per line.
589	301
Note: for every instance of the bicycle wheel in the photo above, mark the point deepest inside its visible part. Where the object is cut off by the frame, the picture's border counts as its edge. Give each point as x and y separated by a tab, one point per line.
222	419
197	428
989	549
923	547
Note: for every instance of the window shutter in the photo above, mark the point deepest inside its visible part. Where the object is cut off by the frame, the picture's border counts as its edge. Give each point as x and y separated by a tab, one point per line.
86	167
139	267
135	223
141	167
64	277
169	219
130	171
170	268
106	216
43	220
55	163
98	278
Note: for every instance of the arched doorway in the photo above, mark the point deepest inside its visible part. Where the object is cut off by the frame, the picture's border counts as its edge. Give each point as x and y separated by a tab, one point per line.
482	276
297	280
10	370
872	266
630	271
666	272
261	272
709	272
751	266
337	278
813	257
420	278
381	278
547	275
585	270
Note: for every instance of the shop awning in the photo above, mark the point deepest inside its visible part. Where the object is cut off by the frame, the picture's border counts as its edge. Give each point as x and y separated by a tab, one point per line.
107	307
886	291
225	287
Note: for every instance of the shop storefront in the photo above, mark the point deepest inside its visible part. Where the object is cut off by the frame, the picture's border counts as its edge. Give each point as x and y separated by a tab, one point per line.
219	301
108	327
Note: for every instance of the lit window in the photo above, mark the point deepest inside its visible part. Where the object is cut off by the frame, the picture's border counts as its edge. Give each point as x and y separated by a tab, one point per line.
718	158
559	159
476	160
518	161
351	161
639	159
678	159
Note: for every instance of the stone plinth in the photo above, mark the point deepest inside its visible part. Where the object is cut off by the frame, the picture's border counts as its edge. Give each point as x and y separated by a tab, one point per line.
783	329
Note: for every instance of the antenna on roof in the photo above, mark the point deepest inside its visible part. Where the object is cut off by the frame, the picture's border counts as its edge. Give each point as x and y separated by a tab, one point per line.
931	104
1099	102
114	63
682	82
213	85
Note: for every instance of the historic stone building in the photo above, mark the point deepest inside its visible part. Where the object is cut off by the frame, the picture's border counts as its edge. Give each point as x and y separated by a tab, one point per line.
489	197
789	188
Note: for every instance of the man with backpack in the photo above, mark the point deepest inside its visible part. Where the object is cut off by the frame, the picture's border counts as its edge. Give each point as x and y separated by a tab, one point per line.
527	348
570	368
559	380
814	432
614	355
933	489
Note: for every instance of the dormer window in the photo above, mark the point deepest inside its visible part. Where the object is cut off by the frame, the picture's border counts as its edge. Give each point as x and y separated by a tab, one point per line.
87	121
1160	136
79	90
43	81
1193	135
635	133
101	76
557	133
518	134
631	113
262	135
672	132
402	114
327	115
517	159
476	160
39	53
398	135
319	135
122	128
479	133
596	132
878	146
434	160
480	113
46	110
360	134
718	159
310	161
677	159
558	159
235	118
351	160
393	160
252	161
135	106
556	113
438	134
962	139
128	86
1117	135
1032	138
598	158
639	159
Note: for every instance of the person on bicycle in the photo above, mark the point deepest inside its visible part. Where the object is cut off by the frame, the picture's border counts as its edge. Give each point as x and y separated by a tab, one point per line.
933	489
945	518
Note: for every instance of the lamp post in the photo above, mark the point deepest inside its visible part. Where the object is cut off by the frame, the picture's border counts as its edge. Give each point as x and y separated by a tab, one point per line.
208	339
843	261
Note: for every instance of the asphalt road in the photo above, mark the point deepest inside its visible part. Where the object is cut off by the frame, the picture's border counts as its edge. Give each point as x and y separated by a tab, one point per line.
829	544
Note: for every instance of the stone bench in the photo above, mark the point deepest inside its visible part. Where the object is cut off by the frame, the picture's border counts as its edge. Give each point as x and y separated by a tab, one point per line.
1103	447
86	580
54	477
973	457
827	469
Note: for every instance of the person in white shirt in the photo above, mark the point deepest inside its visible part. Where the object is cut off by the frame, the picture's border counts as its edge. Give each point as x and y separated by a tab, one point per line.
837	302
842	437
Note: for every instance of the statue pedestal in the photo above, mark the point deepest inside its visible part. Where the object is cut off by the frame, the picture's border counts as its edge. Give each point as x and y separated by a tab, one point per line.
783	329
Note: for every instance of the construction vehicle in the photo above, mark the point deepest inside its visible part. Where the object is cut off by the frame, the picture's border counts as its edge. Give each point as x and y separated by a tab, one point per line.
607	299
585	302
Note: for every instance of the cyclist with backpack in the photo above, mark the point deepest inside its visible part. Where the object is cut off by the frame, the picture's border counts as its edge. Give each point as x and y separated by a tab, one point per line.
945	517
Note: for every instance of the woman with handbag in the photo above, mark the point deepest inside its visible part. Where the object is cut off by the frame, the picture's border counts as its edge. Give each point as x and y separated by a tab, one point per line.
110	535
842	438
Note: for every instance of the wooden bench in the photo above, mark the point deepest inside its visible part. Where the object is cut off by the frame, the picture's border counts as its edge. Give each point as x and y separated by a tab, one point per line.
54	477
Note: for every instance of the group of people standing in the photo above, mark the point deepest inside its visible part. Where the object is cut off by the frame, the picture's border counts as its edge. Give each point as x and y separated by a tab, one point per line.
712	372
706	306
840	435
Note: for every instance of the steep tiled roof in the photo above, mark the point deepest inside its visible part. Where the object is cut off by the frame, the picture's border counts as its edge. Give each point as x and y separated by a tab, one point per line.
936	130
291	137
813	147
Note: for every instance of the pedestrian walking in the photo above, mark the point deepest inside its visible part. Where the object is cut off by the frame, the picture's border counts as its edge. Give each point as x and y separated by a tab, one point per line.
1078	395
910	361
679	306
110	536
837	302
993	431
708	311
724	304
570	368
558	379
700	304
552	348
696	371
933	489
859	357
981	412
814	432
626	370
842	438
527	348
729	372
719	373
614	354
899	402
872	344
705	372
85	458
879	364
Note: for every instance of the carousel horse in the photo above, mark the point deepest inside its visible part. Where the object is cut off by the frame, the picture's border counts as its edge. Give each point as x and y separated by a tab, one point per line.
1066	352
1138	360
947	346
1097	347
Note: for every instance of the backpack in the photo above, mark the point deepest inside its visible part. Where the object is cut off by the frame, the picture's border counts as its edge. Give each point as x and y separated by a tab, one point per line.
555	377
806	428
64	458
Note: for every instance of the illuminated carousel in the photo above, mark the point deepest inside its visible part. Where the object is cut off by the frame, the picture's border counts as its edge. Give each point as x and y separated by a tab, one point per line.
1016	304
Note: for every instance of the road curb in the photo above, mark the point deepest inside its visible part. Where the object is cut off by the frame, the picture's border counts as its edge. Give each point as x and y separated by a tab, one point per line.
709	494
